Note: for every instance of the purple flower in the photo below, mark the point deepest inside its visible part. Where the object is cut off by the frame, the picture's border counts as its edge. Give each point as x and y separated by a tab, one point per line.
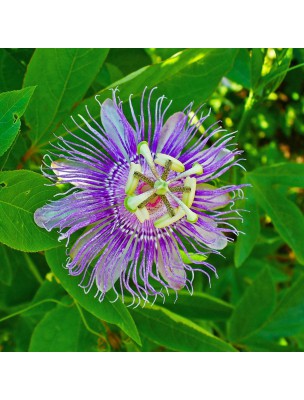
140	198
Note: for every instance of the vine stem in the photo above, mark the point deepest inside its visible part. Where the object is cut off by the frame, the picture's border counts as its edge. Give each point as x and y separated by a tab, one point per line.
23	310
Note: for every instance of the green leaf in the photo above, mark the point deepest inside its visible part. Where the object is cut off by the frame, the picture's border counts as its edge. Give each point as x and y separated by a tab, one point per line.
12	106
285	215
254	308
240	73
199	306
11	72
198	71
251	227
6	268
114	313
63	76
58	330
288	318
290	174
175	332
21	193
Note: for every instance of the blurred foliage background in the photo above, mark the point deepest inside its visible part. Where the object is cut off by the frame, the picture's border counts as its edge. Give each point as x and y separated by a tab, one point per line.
257	304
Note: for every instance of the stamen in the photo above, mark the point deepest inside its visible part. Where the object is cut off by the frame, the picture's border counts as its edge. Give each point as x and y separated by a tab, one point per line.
188	198
142	214
183	189
148	200
161	159
143	149
132	181
167	220
144	178
132	202
166	170
196	169
191	216
168	205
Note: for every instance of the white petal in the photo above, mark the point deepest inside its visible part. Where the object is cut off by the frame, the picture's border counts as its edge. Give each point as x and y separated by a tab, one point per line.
216	241
174	273
169	128
113	126
212	201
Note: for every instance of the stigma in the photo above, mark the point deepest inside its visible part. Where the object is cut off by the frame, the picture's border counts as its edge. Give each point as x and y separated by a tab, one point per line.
145	193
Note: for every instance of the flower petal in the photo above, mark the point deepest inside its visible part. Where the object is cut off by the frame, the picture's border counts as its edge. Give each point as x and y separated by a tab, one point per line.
113	125
170	128
211	201
172	268
212	238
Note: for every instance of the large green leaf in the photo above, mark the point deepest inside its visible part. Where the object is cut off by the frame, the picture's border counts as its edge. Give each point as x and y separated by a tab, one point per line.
254	308
199	306
12	106
251	227
288	318
63	76
112	312
285	215
21	193
240	72
290	174
61	329
175	332
197	71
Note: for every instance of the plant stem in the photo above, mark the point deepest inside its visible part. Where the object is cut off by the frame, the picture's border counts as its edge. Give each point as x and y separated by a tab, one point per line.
33	268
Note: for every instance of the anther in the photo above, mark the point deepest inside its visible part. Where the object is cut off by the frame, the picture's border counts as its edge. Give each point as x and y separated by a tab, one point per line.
167	220
161	159
196	169
132	202
188	198
191	216
132	181
142	214
143	149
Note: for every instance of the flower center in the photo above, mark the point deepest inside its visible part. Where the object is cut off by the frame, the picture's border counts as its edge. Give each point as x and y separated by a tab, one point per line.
152	191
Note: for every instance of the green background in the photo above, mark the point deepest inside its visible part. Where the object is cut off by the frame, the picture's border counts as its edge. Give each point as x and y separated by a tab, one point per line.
257	304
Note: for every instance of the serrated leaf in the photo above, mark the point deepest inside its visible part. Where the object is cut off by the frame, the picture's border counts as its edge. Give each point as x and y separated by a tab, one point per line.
12	107
114	313
256	305
175	332
21	193
199	71
63	76
250	226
